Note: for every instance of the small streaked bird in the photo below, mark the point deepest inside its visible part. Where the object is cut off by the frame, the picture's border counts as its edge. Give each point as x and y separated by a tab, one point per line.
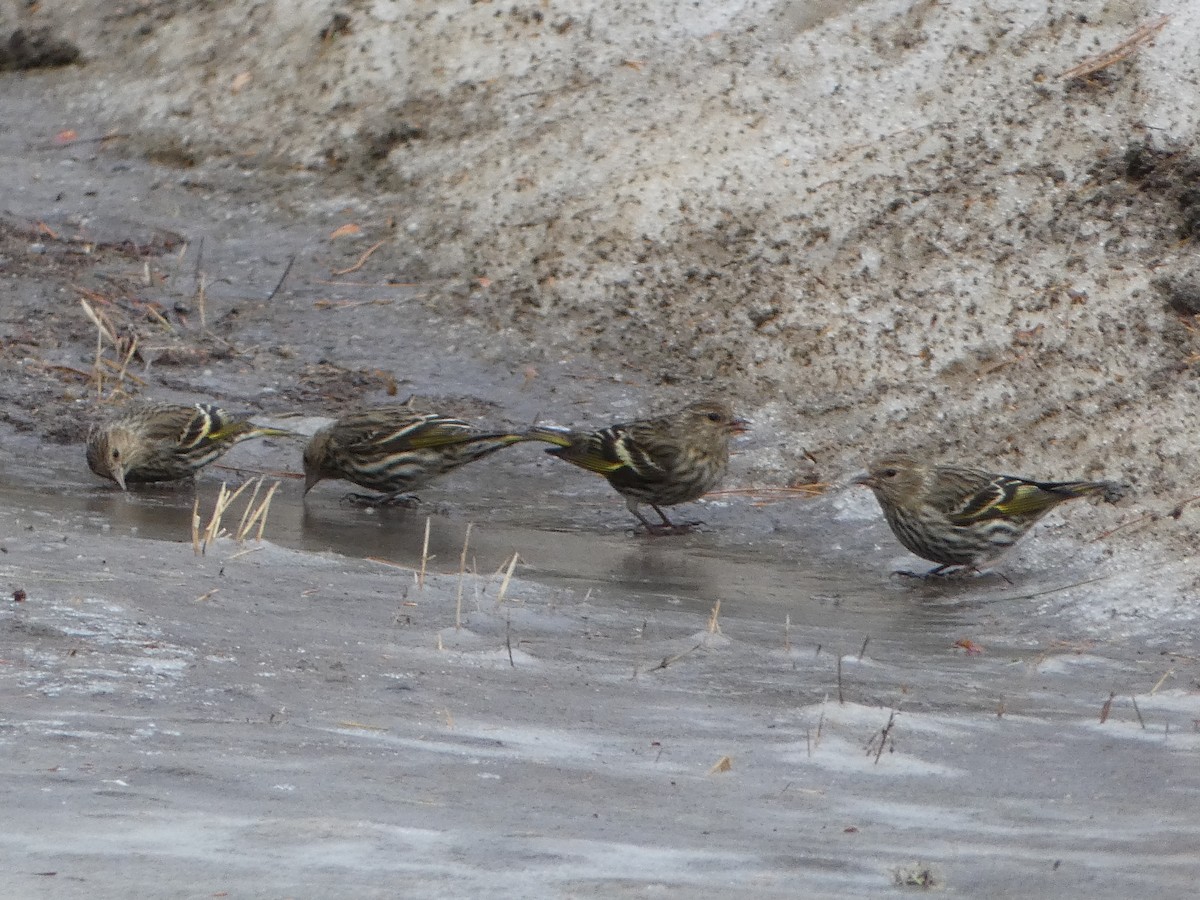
165	441
658	462
960	517
394	450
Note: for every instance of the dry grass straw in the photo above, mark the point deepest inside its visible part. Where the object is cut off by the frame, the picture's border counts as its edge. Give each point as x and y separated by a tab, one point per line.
103	325
362	260
202	301
883	739
462	577
282	278
106	332
768	495
674	658
1065	587
424	557
160	319
815	741
1117	53
508	574
1145	517
1167	674
724	764
255	514
714	626
1137	712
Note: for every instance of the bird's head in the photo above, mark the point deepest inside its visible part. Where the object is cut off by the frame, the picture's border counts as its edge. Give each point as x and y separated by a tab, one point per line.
316	459
112	452
895	476
715	418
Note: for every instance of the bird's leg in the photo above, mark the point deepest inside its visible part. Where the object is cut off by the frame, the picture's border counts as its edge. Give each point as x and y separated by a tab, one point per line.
396	498
950	570
964	570
401	499
942	571
666	527
360	499
666	523
906	573
651	528
681	528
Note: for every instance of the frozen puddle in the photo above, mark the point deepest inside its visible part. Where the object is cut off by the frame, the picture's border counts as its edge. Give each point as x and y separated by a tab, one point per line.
698	718
98	649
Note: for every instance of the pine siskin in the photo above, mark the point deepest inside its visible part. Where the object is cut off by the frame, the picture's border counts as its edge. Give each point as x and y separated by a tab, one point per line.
660	462
956	516
165	441
396	450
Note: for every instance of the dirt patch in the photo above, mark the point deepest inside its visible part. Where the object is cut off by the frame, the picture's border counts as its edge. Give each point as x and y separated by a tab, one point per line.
37	48
872	227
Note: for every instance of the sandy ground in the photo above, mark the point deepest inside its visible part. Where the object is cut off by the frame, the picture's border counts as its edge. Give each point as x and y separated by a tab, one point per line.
870	223
874	223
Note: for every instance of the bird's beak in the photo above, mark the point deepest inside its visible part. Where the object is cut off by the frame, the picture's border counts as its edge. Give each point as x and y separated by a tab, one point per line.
311	478
118	475
739	426
864	478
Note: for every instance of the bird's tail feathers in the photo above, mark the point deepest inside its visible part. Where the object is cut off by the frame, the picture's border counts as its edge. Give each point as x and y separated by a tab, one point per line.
266	431
1110	491
551	434
244	429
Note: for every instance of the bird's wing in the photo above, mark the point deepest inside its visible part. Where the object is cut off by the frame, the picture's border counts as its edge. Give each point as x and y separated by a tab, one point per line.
610	450
442	432
1001	496
191	426
211	424
399	430
172	423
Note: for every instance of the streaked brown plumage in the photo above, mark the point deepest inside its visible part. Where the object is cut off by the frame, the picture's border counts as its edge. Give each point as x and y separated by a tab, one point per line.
956	516
394	450
165	441
659	462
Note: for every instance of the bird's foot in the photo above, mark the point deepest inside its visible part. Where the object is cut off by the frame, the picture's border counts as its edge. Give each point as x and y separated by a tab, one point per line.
382	501
669	528
950	572
665	530
917	576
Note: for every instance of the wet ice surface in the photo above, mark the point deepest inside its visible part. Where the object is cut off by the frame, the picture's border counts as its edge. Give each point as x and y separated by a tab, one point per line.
300	720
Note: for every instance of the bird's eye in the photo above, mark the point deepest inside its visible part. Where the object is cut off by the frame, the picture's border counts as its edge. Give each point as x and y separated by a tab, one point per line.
888	473
714	417
116	454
